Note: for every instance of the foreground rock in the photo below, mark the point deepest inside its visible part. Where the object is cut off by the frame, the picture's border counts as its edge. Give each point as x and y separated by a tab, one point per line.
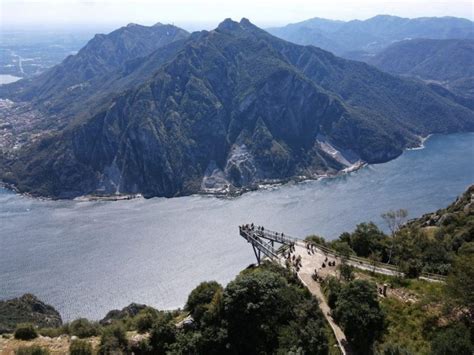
27	309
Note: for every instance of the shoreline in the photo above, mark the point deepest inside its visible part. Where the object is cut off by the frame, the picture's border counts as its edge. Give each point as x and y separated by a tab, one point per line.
227	192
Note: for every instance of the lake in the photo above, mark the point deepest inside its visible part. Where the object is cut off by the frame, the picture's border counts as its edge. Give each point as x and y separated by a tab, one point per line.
7	79
86	258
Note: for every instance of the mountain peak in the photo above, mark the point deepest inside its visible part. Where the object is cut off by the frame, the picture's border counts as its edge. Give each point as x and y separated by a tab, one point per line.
230	25
245	21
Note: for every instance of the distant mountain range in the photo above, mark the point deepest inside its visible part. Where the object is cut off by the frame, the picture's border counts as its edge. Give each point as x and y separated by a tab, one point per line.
211	111
449	62
356	39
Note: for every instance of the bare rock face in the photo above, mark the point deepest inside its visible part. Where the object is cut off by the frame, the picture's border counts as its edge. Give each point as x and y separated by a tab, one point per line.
27	309
456	214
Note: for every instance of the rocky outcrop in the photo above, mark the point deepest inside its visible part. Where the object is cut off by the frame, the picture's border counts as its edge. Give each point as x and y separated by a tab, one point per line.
456	216
130	311
27	309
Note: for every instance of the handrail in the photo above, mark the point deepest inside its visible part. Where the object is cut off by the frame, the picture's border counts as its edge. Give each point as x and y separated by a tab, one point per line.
266	249
287	239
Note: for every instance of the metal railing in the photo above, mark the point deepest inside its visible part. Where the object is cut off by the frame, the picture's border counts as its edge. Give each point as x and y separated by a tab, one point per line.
282	238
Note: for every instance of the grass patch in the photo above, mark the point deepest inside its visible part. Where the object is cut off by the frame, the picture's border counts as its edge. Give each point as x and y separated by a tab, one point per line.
407	325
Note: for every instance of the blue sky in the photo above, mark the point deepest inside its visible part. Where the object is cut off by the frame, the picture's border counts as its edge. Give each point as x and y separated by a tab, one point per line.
195	14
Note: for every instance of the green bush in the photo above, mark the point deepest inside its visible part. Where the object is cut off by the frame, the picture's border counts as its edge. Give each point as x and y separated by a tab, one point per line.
347	272
331	288
53	332
113	340
141	348
143	321
31	350
80	347
163	334
358	312
452	341
84	328
25	331
200	298
394	349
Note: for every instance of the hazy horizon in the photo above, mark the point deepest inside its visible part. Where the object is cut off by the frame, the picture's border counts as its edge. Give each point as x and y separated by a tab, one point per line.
207	14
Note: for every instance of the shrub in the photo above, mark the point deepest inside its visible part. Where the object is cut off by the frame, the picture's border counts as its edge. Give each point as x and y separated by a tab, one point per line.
141	348
452	341
163	334
31	350
113	339
358	312
52	332
84	328
143	321
80	347
331	288
200	298
394	349
346	271
25	331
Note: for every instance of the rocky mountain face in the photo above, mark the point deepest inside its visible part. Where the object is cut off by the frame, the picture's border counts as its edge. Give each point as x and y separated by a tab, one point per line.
101	56
229	109
448	62
358	39
457	218
27	309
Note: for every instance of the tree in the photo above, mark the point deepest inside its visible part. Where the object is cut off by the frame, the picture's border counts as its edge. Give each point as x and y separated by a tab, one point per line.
162	334
254	307
394	349
332	287
460	282
394	221
452	341
375	258
200	298
358	312
367	238
267	313
343	249
346	272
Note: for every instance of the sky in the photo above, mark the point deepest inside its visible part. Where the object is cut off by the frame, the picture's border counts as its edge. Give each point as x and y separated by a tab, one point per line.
206	14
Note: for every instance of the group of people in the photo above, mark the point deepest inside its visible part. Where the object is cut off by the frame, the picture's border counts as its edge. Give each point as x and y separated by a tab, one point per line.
325	263
330	263
291	260
310	248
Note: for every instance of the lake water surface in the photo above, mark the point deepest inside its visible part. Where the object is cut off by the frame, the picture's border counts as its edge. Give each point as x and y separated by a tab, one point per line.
86	258
7	79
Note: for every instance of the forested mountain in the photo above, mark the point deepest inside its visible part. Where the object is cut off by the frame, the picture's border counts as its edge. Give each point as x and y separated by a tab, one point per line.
227	108
356	39
449	62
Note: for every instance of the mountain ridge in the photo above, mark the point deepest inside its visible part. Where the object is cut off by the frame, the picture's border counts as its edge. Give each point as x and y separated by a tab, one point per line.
449	62
232	108
358	38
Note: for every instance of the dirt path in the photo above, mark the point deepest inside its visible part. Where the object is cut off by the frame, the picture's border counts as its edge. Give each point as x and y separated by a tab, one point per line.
310	263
